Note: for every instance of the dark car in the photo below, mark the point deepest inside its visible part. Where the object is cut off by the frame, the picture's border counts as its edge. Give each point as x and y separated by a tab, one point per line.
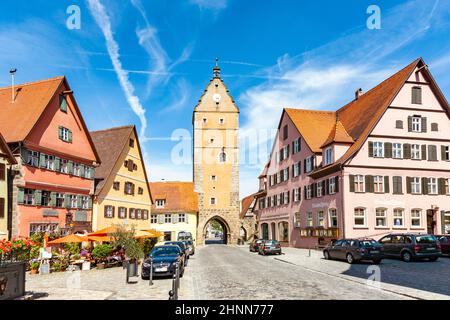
445	243
254	245
190	246
164	259
354	250
182	246
410	247
269	247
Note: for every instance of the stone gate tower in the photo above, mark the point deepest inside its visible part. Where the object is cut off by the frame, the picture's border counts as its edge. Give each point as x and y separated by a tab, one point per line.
216	162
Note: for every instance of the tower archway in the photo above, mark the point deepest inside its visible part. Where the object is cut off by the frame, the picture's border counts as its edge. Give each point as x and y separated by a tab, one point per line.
216	231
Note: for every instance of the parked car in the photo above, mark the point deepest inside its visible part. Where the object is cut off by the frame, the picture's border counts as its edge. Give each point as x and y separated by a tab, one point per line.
445	243
354	250
164	258
269	247
182	246
190	246
254	245
184	235
410	247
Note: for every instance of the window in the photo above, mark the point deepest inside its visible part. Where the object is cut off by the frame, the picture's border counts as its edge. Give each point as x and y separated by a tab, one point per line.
73	200
296	194
415	152
319	188
122	213
308	164
296	146
49	162
320	219
212	201
116	185
416	186
109	211
308	191
297	220
360	217
447	186
131	143
154	218
222	157
139	214
140	190
398	217
28	197
381	217
167	218
296	169
397	151
397	185
416	95
446	153
399	124
213	178
33	158
309	219
62	103
205	120
434	126
378	183
160	203
416	218
63	166
65	134
132	213
76	169
59	200
359	183
378	150
328	153
285	132
432	186
286	198
416	124
331	185
333	218
181	217
45	200
129	188
221	121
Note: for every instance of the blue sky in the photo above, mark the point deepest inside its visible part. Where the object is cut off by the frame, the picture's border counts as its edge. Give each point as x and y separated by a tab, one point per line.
148	62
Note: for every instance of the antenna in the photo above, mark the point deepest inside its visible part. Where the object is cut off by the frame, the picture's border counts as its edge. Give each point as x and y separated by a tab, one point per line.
12	72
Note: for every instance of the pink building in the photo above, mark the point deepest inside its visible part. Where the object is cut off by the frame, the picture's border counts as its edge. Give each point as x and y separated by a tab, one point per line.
378	165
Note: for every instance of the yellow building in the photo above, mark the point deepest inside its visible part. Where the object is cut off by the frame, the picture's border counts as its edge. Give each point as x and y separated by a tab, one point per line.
6	158
122	194
216	163
175	209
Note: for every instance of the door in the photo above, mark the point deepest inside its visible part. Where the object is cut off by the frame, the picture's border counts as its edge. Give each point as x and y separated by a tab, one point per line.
334	249
386	242
397	244
430	222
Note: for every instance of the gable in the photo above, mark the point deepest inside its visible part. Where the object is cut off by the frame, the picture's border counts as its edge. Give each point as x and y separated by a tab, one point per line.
207	103
45	133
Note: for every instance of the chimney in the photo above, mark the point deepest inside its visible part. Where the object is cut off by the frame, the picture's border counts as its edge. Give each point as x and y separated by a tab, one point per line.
12	72
358	93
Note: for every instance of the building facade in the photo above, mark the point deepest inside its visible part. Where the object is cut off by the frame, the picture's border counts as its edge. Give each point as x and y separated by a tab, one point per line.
122	195
216	162
248	228
53	179
175	209
6	161
378	165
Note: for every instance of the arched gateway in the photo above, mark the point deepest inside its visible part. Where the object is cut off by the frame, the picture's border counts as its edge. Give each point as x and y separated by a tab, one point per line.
216	163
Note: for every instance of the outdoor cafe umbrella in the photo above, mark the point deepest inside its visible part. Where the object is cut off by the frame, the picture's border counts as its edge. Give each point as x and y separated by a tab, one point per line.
71	238
104	232
143	234
155	233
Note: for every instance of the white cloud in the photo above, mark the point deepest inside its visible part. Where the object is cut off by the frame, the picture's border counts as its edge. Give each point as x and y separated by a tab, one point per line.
102	19
210	4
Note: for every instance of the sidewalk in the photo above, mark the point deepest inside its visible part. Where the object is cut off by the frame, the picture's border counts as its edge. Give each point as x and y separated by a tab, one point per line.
412	275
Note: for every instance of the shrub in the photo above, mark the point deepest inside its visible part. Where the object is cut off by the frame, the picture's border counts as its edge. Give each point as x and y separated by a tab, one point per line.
100	252
34	265
125	239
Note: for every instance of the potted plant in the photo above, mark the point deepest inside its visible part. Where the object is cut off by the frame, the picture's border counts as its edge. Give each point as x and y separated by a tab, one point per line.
100	253
34	267
133	251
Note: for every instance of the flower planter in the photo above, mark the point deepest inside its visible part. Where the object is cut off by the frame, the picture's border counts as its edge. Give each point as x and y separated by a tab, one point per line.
101	265
34	271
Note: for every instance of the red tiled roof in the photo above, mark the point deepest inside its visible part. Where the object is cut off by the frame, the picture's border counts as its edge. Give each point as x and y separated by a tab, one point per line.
245	205
179	196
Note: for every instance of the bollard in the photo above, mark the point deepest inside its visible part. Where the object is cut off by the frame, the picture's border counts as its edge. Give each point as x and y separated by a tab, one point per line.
171	295
128	274
150	277
309	252
178	277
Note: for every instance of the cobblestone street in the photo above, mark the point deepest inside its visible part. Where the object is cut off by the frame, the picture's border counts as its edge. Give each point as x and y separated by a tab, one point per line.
229	272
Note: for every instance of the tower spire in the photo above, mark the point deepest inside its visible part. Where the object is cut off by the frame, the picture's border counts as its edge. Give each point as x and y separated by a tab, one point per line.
216	69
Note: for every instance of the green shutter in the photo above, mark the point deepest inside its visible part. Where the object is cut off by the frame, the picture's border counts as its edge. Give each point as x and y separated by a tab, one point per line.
82	170
336	184
434	156
66	201
352	183
409	124
408	185
20	195
424	185
441	186
406	151
90	204
57	164
24	155
92	172
79	201
70	135
60	132
388	150
386	184
38	197
52	199
424	152
370	149
42	160
424	124
443	152
70	167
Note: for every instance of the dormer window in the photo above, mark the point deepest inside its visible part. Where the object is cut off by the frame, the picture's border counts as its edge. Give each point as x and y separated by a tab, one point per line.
160	203
328	156
416	95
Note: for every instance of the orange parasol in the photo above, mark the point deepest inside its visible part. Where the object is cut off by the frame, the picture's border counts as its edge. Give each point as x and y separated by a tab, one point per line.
155	233
104	232
100	238
71	238
143	234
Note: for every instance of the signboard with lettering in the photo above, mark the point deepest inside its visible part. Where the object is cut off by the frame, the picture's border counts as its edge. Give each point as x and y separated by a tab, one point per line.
49	213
